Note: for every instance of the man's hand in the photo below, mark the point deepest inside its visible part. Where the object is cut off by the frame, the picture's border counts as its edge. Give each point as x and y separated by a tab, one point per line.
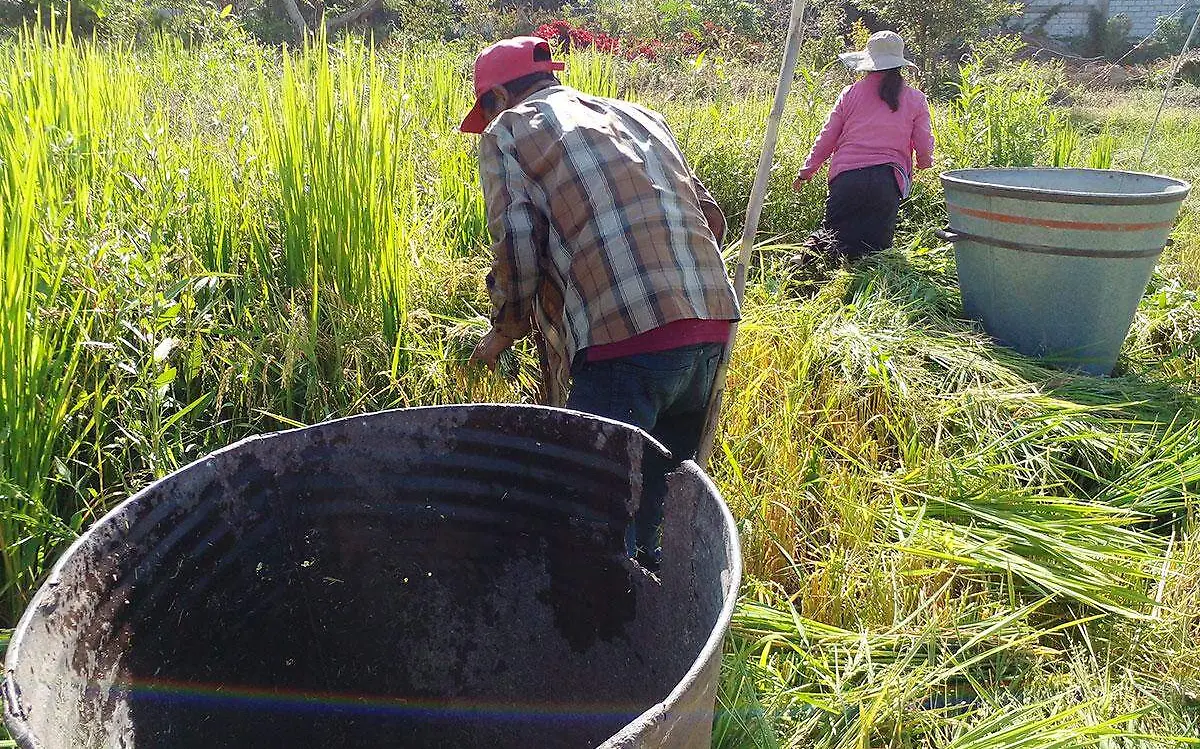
489	348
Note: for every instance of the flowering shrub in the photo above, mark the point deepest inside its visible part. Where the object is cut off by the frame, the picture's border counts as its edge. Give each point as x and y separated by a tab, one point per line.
709	37
578	37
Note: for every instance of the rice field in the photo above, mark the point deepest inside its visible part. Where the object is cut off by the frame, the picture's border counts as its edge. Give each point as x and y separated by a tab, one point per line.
948	545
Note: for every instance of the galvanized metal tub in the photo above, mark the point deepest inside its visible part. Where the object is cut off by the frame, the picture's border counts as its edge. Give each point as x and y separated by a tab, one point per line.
1054	261
439	577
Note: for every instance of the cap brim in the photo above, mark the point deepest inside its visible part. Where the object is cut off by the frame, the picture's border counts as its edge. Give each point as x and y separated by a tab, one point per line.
473	122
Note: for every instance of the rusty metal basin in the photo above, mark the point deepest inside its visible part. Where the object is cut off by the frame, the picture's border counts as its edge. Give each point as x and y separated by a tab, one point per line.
436	577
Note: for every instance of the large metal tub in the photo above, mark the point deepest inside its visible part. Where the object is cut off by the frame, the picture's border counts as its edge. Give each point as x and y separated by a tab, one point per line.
1054	261
440	577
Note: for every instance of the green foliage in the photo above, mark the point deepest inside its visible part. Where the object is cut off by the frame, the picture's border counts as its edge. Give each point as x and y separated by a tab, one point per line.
825	34
947	543
200	23
119	18
477	22
197	21
1109	36
425	20
1170	32
741	16
632	19
667	19
1000	115
932	27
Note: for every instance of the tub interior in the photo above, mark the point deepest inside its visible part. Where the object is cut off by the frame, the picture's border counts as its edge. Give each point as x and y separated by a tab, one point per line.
1093	181
383	590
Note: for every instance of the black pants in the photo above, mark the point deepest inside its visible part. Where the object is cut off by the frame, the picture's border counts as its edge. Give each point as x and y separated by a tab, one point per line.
862	209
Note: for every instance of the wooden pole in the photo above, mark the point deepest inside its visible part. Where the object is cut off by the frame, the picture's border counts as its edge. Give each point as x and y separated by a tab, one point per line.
753	213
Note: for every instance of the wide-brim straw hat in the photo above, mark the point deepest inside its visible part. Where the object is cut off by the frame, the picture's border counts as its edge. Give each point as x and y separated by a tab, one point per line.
885	50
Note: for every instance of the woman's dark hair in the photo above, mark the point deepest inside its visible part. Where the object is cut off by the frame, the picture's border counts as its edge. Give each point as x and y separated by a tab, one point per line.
889	88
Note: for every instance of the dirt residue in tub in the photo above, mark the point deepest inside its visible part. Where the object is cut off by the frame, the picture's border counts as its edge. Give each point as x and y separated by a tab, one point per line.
591	589
399	627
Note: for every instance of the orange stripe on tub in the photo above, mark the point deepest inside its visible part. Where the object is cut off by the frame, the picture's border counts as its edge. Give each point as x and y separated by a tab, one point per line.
1050	223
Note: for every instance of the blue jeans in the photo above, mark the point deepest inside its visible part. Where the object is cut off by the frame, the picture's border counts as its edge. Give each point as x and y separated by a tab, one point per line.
666	394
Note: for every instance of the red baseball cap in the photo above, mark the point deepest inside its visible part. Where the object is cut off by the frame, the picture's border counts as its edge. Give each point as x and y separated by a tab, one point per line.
500	63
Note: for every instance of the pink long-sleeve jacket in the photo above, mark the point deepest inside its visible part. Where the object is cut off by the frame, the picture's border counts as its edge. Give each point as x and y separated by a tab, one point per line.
863	131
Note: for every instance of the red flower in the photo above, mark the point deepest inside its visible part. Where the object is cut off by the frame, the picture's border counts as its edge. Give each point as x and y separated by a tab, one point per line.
581	37
606	43
555	31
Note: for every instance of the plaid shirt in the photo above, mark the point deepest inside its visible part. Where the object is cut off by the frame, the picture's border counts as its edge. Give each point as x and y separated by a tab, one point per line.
594	209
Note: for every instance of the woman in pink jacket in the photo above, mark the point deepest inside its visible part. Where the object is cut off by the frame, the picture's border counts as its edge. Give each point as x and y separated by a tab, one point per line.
871	135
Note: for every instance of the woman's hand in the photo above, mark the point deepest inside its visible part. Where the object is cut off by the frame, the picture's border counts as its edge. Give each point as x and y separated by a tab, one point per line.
798	185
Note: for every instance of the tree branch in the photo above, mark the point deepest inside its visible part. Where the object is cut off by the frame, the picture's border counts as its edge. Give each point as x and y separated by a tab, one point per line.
352	15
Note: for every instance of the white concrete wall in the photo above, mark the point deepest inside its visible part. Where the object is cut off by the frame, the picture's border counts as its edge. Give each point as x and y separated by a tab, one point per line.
1066	19
1070	18
1145	13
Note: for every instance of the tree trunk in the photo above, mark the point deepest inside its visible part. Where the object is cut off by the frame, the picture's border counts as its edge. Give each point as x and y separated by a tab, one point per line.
303	28
294	15
352	15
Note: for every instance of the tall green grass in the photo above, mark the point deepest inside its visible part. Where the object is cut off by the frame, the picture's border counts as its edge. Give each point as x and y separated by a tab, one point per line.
1000	117
43	323
948	544
896	475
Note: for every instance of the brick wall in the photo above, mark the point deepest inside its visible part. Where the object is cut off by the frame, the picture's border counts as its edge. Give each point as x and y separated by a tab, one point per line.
1145	13
1069	19
1062	19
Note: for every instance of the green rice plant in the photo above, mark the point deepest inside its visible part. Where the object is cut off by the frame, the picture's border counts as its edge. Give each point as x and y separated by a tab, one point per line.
1086	552
999	119
593	72
1062	149
740	721
721	139
894	410
947	544
1044	724
1101	155
1065	143
950	674
333	147
41	329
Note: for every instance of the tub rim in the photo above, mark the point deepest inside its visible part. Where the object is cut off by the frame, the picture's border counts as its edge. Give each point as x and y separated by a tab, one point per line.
15	718
714	645
961	179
